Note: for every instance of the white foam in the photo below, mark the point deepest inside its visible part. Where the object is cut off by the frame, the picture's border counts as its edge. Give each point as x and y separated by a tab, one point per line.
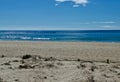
41	38
25	38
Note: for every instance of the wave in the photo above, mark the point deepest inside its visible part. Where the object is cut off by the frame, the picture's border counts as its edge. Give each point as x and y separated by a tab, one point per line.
99	36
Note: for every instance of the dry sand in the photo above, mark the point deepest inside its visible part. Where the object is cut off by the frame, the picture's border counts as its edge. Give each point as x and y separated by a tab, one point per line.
59	62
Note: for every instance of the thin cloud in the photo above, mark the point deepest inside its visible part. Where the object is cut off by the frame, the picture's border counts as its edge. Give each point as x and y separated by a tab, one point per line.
56	4
96	22
104	22
110	22
77	2
108	26
85	23
76	5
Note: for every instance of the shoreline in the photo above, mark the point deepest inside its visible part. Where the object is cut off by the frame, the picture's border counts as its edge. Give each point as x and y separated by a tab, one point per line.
58	41
29	41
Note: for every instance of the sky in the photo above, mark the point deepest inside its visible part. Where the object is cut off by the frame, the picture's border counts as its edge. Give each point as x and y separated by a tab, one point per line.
59	15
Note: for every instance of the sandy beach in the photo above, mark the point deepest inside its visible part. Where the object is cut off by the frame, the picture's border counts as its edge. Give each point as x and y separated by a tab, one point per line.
23	61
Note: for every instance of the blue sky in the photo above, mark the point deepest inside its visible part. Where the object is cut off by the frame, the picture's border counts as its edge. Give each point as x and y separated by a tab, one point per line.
59	15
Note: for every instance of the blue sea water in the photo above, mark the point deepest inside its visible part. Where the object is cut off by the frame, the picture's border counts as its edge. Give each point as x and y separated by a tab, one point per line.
78	35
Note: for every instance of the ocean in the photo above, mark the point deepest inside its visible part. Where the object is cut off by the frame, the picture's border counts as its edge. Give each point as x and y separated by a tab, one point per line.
55	35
